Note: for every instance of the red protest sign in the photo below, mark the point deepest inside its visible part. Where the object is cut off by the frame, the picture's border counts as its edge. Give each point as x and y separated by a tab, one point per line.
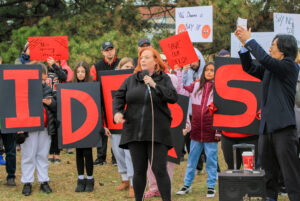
179	50
41	48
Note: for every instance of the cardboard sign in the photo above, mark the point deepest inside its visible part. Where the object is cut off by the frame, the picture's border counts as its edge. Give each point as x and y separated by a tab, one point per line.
237	98
111	81
179	113
263	38
41	48
78	111
198	21
179	50
21	98
286	23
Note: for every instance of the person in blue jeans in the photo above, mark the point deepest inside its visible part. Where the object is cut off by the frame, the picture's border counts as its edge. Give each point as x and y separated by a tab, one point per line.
202	134
10	152
2	161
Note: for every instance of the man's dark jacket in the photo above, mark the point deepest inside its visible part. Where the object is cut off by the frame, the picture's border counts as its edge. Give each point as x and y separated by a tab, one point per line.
279	78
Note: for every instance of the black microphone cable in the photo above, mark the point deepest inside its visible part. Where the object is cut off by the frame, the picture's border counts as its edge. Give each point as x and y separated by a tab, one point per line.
152	141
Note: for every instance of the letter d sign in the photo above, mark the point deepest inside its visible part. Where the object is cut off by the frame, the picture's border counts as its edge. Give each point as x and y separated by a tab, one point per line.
79	114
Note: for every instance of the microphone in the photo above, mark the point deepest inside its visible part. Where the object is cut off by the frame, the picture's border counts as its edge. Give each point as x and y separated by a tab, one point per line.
145	72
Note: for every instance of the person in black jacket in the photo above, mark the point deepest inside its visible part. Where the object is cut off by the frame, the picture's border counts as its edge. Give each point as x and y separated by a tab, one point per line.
36	146
109	62
84	156
56	75
147	135
278	141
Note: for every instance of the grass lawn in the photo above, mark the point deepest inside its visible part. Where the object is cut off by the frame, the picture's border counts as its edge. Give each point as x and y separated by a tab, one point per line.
64	177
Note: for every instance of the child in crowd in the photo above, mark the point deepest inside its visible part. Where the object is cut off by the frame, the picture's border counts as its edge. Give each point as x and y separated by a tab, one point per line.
202	134
56	75
36	146
84	156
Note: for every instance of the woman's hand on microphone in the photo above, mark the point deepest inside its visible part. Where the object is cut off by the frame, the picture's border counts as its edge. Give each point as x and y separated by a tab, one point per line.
119	118
148	80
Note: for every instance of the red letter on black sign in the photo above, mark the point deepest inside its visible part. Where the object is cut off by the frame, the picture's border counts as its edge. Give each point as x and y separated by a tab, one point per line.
90	122
22	118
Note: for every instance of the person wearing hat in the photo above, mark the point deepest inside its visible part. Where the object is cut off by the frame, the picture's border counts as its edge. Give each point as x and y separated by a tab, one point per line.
24	57
224	53
143	42
108	62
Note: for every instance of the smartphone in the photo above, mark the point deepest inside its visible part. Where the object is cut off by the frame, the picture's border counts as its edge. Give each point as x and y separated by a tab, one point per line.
242	22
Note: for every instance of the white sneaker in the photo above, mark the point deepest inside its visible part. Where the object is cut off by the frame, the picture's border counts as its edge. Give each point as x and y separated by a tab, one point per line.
211	193
184	190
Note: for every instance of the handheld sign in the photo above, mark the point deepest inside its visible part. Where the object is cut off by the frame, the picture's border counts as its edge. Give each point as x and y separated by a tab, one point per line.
21	98
287	23
263	38
179	50
41	48
237	98
198	21
179	113
78	111
111	81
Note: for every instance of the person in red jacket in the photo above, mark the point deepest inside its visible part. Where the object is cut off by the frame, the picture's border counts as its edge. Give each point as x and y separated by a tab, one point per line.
109	62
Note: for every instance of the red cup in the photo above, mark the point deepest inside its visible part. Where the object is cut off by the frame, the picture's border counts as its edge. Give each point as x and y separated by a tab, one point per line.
248	157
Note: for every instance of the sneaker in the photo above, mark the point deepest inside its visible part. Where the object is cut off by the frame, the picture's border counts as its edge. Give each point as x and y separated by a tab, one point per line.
99	162
26	189
2	161
45	187
69	150
184	190
11	182
114	163
210	193
282	191
57	161
51	160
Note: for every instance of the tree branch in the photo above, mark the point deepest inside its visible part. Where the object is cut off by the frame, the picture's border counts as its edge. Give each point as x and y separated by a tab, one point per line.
10	3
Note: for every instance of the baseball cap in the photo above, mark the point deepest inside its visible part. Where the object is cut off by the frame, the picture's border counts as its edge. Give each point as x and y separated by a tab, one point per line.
107	45
144	41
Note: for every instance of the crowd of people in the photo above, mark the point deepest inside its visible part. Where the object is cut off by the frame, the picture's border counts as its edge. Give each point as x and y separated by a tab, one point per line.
141	105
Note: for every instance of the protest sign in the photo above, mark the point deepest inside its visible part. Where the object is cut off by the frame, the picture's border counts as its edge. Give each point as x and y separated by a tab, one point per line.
286	23
41	48
263	38
21	98
111	81
79	114
179	50
198	21
237	98
179	113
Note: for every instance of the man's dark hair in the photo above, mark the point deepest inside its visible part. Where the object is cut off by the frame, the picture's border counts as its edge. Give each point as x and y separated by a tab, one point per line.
287	44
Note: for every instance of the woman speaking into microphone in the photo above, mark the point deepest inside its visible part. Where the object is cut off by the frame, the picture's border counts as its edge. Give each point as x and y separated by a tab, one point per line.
147	120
